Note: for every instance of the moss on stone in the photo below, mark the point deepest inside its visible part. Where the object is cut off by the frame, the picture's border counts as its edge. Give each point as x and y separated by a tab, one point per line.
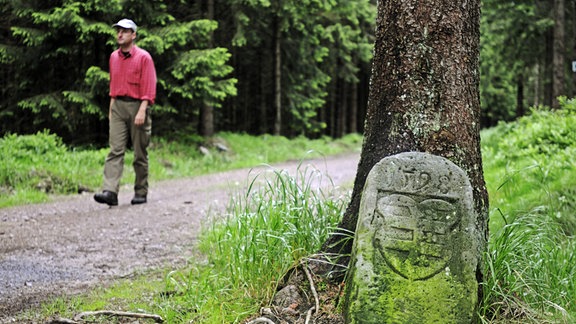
414	257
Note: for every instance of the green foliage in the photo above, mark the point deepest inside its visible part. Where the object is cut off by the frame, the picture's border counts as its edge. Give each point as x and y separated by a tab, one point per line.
199	75
531	159
6	55
528	168
529	171
512	56
323	44
320	42
277	222
44	40
36	167
349	42
531	273
82	99
66	98
539	135
179	35
54	57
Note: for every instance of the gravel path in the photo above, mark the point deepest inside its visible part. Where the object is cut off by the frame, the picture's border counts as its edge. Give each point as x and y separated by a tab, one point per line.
72	244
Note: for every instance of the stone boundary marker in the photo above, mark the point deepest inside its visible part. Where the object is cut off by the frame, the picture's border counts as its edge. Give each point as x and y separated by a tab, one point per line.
416	247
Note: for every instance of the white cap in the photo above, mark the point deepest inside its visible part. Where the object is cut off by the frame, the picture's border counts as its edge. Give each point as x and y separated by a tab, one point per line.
126	23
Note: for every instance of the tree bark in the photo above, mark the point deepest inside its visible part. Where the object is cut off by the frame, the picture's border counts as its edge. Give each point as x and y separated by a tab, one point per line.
353	115
537	84
520	110
207	109
424	95
333	109
573	52
546	81
343	109
559	56
277	78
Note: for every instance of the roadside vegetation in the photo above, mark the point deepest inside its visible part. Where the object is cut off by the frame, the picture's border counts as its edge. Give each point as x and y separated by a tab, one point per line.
37	167
530	172
530	266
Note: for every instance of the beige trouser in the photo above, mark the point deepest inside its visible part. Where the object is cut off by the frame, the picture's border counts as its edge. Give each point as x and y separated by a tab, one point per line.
121	127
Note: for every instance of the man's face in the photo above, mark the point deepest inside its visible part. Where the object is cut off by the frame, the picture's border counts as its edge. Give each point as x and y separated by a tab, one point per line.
125	36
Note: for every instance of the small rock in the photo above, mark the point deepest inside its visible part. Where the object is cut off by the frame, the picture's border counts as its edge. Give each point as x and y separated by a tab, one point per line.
204	151
287	297
221	147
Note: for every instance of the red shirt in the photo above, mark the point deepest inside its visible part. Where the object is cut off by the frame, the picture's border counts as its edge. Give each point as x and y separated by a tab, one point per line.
133	76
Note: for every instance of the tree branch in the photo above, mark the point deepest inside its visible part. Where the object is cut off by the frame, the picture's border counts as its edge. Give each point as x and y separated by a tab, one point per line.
156	318
311	280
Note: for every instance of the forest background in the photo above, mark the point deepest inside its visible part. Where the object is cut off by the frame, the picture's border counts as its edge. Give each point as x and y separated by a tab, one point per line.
302	68
253	66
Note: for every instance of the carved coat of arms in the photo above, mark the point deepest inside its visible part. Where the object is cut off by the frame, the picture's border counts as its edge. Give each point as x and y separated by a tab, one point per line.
414	233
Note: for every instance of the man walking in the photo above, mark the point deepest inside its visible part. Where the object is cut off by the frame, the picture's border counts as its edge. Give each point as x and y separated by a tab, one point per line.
132	91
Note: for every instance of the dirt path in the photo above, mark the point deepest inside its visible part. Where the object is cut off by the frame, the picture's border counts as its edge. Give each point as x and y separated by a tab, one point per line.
73	244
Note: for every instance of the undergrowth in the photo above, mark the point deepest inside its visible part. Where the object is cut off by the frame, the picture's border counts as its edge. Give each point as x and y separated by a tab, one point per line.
530	272
280	220
35	168
529	170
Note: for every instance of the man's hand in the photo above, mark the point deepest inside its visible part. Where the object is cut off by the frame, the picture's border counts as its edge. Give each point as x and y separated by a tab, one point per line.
112	101
140	117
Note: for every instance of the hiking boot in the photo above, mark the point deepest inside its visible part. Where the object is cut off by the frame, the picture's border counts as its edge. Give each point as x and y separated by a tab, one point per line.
137	200
107	197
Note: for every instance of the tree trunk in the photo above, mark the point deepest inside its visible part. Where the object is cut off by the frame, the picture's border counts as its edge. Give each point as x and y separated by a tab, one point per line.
343	111
548	91
263	104
520	110
572	38
559	58
277	78
424	95
353	115
325	112
537	85
206	120
333	109
207	110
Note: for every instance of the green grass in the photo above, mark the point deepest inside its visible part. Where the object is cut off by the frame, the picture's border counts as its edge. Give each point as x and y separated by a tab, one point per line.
265	232
531	178
530	264
280	221
136	295
34	168
531	277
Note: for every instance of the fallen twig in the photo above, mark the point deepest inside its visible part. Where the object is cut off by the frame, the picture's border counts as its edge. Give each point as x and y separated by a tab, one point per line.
61	320
156	318
261	320
311	280
309	315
